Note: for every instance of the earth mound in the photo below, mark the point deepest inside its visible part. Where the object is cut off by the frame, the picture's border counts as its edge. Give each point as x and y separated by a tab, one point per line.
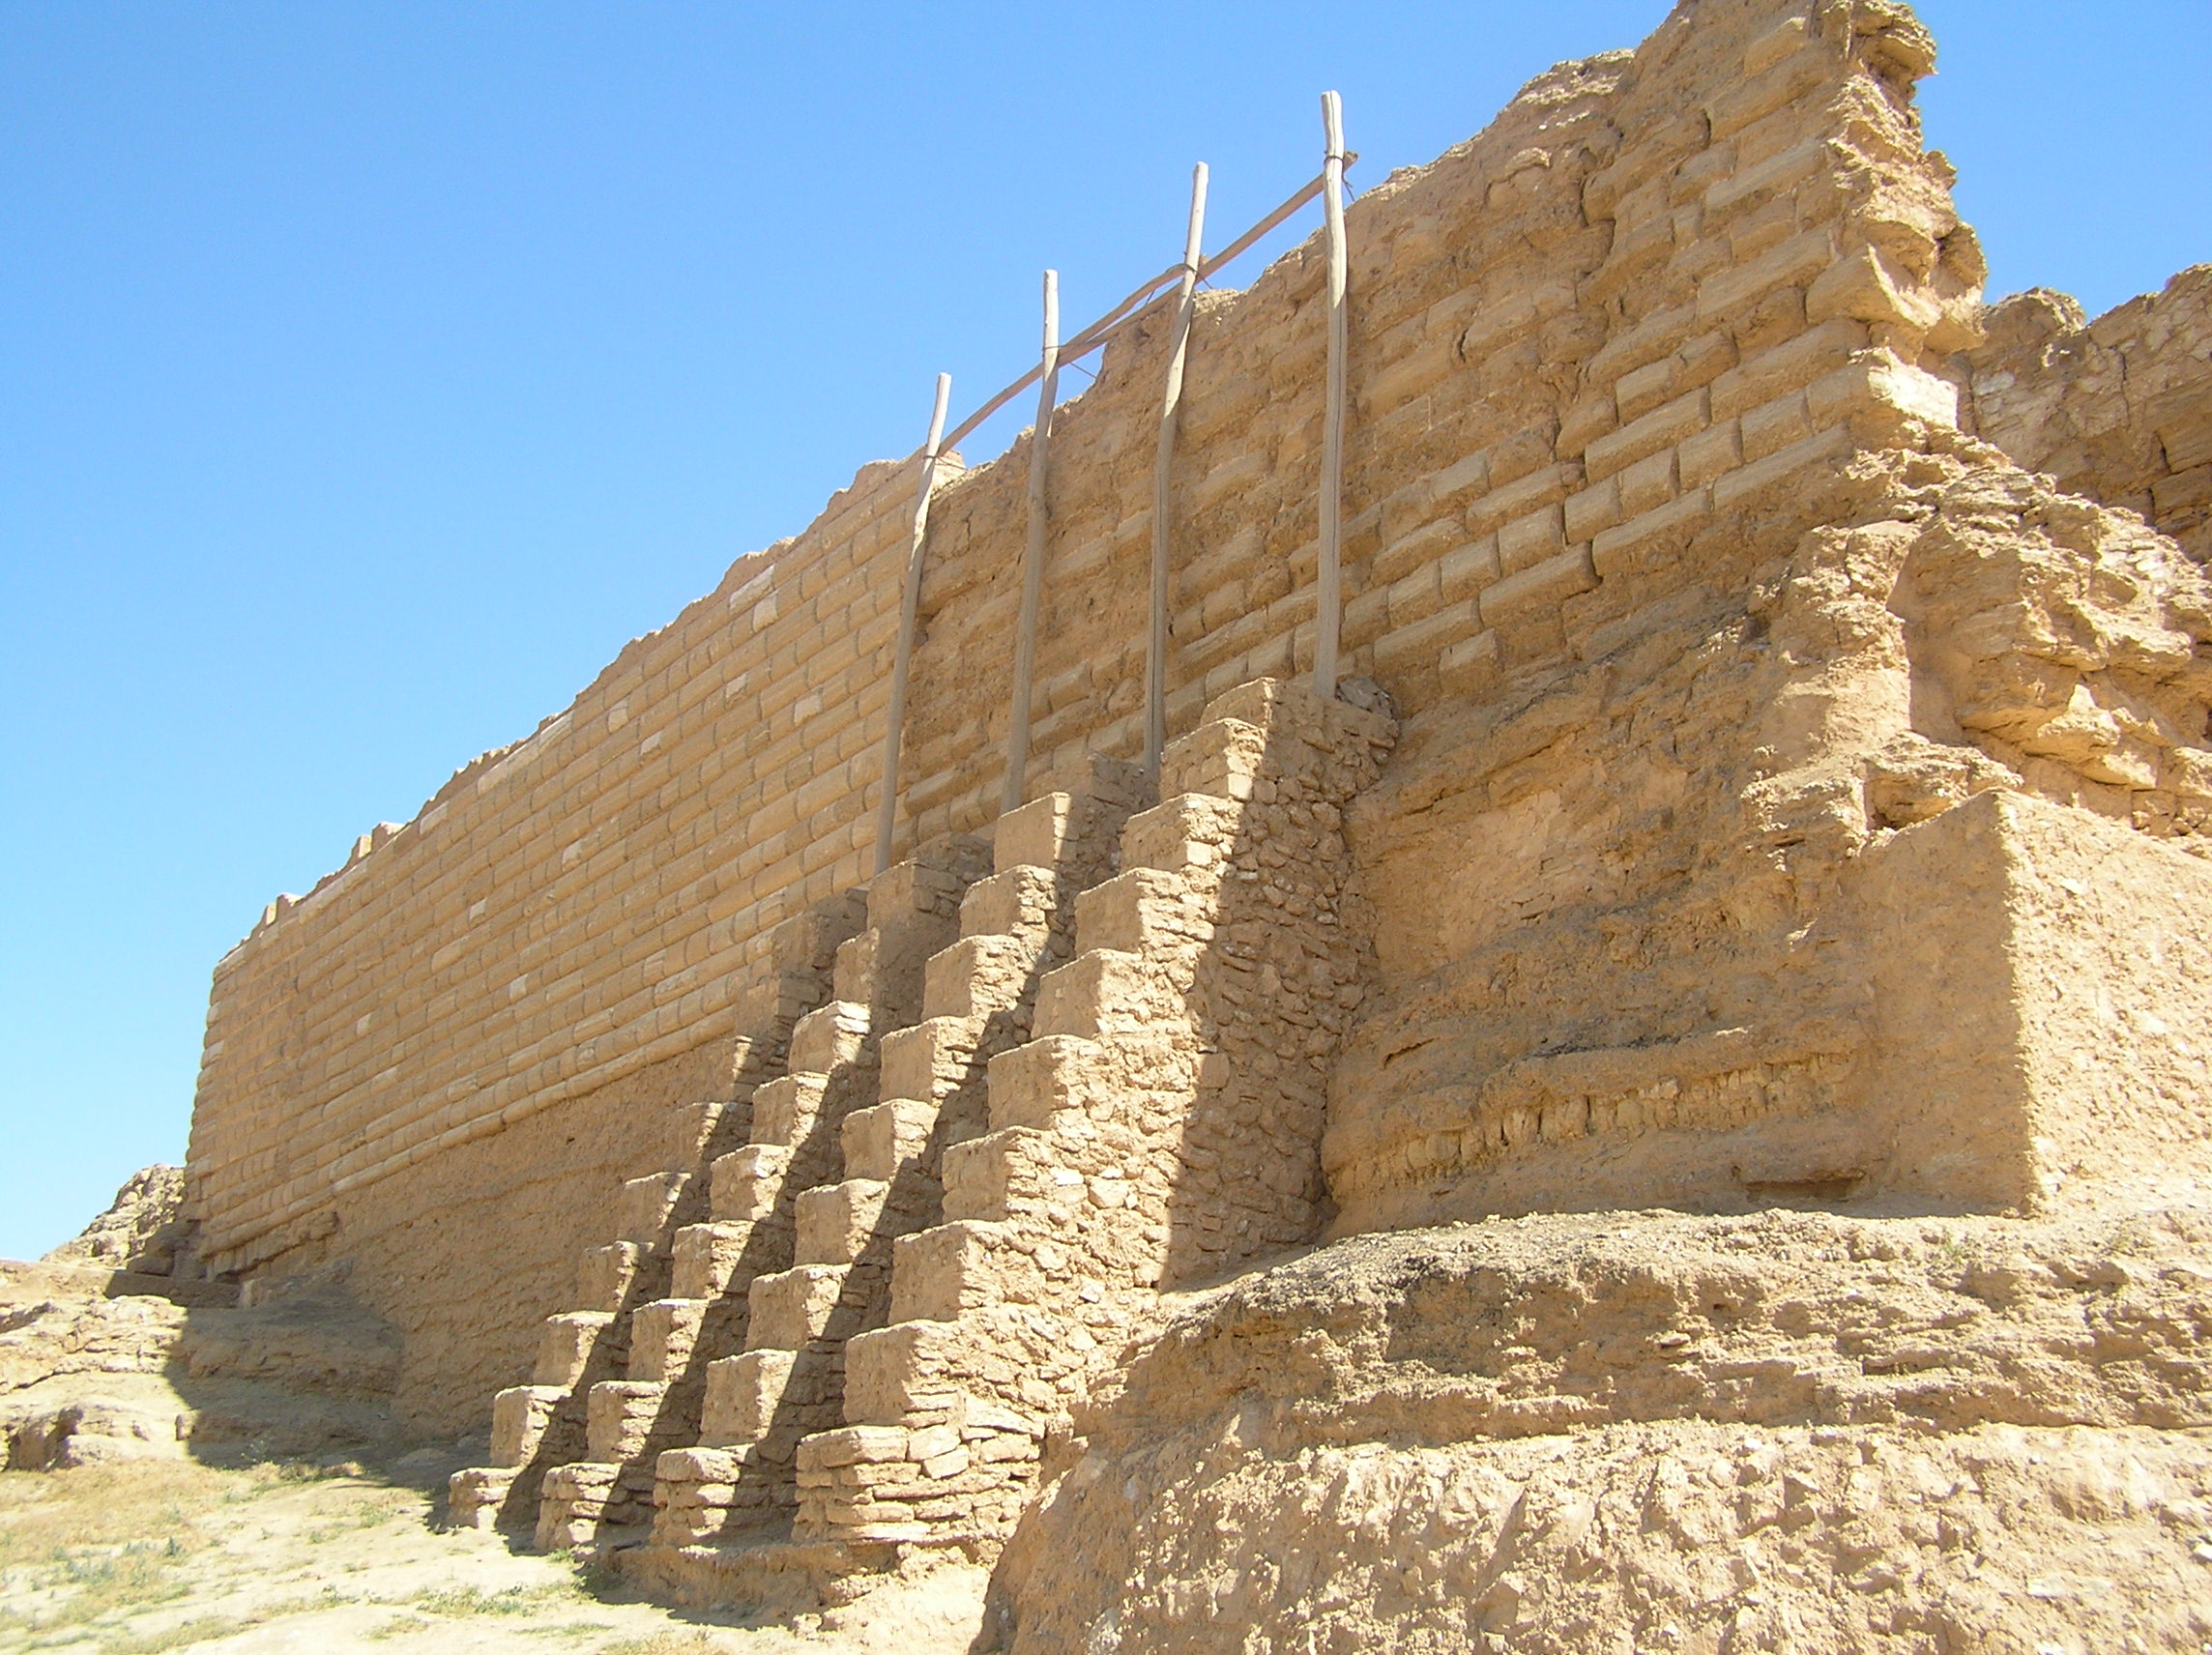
141	1230
1631	1432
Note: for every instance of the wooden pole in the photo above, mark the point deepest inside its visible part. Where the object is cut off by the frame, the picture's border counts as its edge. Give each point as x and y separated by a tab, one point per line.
910	610
1330	615
1139	304
1178	345
1243	243
1033	556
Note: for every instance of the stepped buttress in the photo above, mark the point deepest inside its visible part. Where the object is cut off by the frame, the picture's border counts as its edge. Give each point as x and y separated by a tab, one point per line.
1160	1127
745	1235
976	992
544	1424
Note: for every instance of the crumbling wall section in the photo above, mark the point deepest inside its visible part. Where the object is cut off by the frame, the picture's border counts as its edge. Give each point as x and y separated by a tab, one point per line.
1612	892
2115	409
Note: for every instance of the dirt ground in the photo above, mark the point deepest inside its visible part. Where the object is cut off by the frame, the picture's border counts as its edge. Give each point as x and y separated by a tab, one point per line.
148	1555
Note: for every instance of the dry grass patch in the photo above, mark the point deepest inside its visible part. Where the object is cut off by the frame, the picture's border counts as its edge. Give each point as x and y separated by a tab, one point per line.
41	1512
88	1545
148	1558
201	1629
466	1601
93	1547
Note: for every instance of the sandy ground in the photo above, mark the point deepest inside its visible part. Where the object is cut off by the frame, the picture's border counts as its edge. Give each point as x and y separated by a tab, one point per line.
167	1554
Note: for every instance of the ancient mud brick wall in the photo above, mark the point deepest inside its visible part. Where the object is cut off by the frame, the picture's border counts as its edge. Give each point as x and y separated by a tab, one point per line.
1610	361
2113	409
1624	952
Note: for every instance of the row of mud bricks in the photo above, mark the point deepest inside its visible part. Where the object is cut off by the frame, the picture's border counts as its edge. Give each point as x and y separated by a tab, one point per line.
1013	1105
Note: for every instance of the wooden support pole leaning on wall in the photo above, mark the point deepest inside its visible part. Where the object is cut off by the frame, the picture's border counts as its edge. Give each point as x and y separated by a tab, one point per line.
1179	346
1140	303
910	611
1033	556
1329	613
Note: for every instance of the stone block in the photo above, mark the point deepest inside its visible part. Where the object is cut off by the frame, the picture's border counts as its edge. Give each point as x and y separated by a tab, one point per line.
929	1058
1543	487
1629	547
1036	1084
2001	927
884	1140
949	1268
1412	599
1661	428
645	1207
905	1370
605	1275
1878	395
792	1308
1591	512
748	1183
621	1417
476	1497
1707	455
829	1037
1000	1176
785	1108
1221	757
1465	571
836	1222
1413	649
1545	586
743	1394
1184	830
1104	991
1640	391
520	1418
1648	483
979	977
1142	911
1528	540
1471	666
1419	547
1824	448
853	978
1771	176
1018	902
697	1466
855	1444
1784	367
1863	287
662	1335
568	1344
708	1258
1775	425
1036	834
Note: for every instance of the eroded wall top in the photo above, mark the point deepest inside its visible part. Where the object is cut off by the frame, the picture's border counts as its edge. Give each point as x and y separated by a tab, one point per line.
2113	409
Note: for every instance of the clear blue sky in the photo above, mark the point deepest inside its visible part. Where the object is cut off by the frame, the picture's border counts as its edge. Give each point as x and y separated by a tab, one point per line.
370	373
